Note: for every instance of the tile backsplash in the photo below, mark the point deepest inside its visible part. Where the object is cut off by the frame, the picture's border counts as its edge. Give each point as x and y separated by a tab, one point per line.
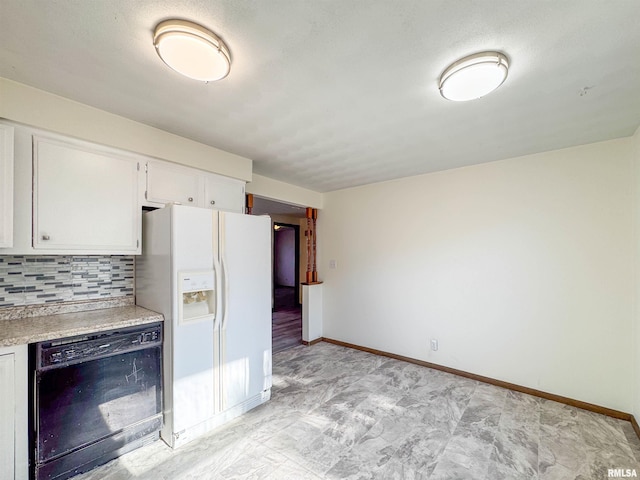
39	279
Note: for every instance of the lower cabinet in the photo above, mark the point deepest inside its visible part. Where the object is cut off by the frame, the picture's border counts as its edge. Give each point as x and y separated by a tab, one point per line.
14	457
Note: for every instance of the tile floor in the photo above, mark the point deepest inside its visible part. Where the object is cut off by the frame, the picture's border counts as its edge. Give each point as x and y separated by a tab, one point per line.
338	413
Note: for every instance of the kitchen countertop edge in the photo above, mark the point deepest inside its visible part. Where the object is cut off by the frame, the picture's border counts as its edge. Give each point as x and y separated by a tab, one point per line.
22	331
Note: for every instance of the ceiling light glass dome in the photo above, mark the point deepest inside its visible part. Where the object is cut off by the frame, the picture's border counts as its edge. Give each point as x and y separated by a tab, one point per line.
192	50
474	76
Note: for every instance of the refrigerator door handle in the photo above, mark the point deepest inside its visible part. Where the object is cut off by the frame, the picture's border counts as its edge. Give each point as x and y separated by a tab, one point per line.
225	282
218	287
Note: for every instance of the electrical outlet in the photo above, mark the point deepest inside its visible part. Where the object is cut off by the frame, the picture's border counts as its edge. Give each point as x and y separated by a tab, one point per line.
434	344
333	264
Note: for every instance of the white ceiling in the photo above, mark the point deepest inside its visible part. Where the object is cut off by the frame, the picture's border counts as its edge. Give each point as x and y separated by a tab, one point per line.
328	94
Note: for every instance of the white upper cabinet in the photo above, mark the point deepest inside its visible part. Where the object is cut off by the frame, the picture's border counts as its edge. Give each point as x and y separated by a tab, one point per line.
168	183
65	196
85	198
224	193
171	183
6	186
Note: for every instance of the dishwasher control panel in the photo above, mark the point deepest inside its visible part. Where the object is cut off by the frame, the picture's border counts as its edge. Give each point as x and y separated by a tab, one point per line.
99	345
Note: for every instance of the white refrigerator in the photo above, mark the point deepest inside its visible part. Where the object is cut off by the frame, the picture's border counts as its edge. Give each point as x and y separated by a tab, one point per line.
209	274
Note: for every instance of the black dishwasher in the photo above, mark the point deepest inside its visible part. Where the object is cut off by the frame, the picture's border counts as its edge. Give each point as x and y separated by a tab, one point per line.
95	397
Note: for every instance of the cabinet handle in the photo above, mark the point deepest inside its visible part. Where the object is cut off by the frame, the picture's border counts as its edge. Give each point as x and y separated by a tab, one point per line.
46	237
190	199
213	202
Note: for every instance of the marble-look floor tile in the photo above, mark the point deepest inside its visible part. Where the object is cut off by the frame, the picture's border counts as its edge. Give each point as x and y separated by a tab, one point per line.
599	461
482	414
448	469
399	374
632	439
318	455
349	428
517	450
364	461
393	428
421	450
396	469
560	446
499	471
292	471
559	472
258	462
468	451
337	413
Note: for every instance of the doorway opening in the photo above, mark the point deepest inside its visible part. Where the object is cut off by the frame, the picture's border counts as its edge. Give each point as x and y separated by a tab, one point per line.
287	309
288	221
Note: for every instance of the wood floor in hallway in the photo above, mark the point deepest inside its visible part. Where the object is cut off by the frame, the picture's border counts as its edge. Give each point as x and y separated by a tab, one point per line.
286	320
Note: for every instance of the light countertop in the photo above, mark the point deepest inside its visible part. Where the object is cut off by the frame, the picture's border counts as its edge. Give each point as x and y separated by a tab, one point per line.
19	331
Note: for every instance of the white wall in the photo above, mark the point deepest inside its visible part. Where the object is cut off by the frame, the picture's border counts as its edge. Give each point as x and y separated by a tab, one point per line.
31	106
45	110
636	325
522	269
285	192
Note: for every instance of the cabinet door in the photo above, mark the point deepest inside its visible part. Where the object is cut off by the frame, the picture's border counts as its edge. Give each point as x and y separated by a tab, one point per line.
14	455
7	416
6	186
168	183
84	199
224	194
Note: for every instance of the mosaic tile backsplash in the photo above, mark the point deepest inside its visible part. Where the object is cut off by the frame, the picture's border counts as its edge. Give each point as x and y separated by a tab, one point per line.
38	279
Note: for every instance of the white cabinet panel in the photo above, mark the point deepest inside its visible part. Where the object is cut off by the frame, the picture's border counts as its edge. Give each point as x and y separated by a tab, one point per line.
7	416
13	413
84	199
224	194
168	183
6	187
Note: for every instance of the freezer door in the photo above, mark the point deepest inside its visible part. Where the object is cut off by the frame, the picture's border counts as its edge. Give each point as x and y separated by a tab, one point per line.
245	254
192	343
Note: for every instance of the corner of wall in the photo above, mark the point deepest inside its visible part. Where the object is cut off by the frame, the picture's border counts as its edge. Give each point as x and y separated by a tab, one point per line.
636	313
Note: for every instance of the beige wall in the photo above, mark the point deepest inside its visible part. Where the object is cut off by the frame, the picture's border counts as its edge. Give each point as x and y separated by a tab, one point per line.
522	269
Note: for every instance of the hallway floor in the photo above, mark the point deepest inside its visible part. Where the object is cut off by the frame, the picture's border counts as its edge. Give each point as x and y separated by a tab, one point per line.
338	413
286	319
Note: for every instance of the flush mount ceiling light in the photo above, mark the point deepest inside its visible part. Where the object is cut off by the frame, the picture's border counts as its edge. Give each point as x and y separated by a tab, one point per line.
192	50
474	76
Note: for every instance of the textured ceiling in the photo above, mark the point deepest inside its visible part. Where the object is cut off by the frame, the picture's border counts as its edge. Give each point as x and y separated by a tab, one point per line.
328	94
